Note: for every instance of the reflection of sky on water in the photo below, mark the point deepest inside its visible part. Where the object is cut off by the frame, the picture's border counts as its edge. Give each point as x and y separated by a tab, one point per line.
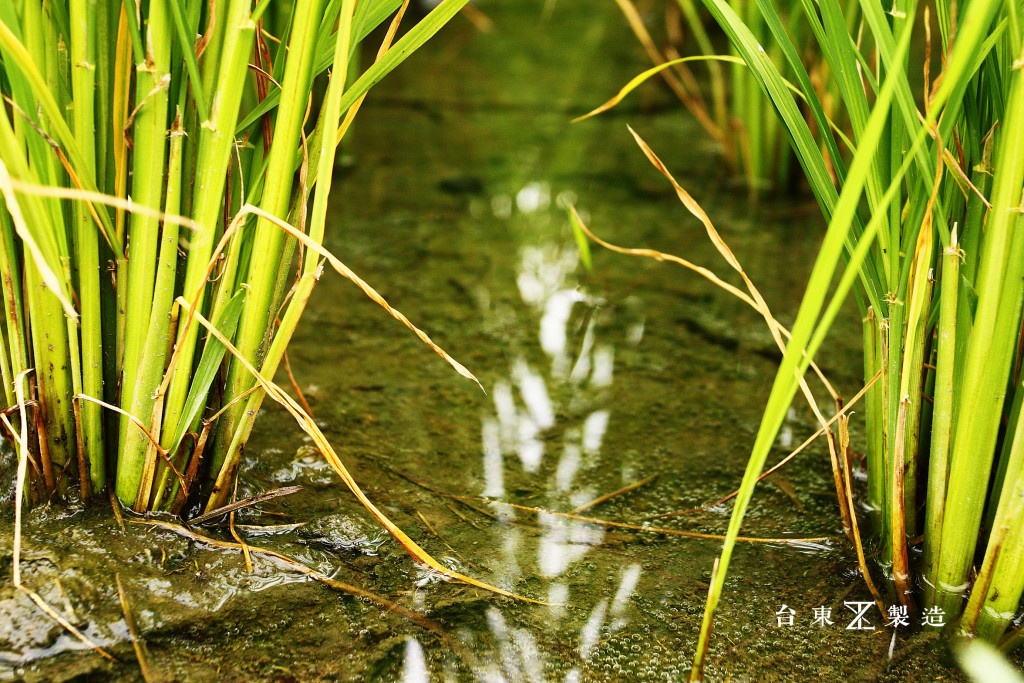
546	421
564	541
516	656
415	667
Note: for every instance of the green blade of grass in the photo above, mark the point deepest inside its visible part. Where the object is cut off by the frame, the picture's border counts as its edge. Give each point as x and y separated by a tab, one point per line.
202	380
409	43
799	349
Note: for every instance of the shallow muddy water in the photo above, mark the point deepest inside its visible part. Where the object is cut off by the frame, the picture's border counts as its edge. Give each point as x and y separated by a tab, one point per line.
451	203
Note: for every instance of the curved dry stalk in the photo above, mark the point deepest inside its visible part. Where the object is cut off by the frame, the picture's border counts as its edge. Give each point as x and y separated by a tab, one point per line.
716	239
229	466
369	291
295	385
57	192
307	242
246	552
637	527
52	613
614	494
757	303
706	273
385	45
694	103
855	528
776	329
662	256
313	430
226	406
338	266
642	77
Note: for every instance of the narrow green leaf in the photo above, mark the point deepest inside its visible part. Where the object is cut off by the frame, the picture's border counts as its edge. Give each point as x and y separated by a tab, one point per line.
408	44
191	65
206	372
582	243
805	337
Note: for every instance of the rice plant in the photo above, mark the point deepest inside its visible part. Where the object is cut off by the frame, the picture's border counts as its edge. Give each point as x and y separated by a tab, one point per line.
923	198
164	164
935	256
727	104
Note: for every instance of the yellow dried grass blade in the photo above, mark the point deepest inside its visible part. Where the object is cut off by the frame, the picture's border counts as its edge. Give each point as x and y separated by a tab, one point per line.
342	270
133	633
639	527
385	45
662	256
774	326
77	194
310	427
644	76
686	89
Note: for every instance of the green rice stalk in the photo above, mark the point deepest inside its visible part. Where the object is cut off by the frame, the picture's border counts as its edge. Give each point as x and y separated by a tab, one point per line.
214	155
942	412
205	374
257	319
920	296
873	416
989	353
155	349
149	167
995	597
83	57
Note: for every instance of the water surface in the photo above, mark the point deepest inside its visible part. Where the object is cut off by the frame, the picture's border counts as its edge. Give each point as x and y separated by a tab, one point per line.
452	203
